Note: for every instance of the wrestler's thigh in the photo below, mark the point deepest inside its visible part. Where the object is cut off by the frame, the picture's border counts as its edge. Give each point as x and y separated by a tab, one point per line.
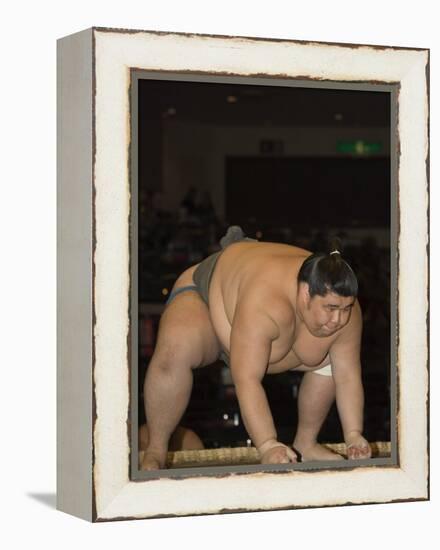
186	333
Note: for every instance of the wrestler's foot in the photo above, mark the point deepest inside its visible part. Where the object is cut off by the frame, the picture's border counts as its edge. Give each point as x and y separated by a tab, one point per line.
152	460
315	451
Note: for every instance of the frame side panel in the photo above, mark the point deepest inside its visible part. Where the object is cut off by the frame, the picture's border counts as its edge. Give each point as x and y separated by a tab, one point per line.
74	274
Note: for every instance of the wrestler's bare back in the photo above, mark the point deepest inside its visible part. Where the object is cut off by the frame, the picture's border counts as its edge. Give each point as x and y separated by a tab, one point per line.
266	272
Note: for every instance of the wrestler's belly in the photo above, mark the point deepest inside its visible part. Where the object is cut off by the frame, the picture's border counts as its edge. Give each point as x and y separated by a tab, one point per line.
292	362
222	324
282	357
292	350
222	327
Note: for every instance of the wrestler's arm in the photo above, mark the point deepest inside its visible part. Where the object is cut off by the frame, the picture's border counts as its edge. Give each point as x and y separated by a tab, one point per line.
253	332
346	368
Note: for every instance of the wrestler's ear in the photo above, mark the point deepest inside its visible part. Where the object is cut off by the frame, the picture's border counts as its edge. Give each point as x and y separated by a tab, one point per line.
304	292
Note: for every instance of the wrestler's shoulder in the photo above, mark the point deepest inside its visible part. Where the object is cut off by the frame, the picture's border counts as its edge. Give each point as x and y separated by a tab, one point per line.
353	328
263	299
356	313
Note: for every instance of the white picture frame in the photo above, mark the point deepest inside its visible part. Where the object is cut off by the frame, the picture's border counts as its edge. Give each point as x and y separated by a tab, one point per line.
95	471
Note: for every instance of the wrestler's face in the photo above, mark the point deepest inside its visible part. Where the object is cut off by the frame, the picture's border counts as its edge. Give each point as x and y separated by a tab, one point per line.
325	315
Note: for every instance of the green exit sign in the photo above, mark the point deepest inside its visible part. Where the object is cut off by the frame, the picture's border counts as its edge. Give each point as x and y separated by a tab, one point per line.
359	147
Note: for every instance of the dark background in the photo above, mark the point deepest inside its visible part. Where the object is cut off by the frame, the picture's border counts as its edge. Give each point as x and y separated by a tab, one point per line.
292	165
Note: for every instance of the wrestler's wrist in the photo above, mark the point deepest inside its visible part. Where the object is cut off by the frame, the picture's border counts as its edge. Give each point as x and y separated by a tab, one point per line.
352	433
267	445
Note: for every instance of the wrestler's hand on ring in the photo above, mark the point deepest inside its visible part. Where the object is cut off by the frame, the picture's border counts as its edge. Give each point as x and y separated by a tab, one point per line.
274	452
357	446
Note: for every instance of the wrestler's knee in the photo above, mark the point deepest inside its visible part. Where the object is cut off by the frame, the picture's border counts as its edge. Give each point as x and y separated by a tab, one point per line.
177	353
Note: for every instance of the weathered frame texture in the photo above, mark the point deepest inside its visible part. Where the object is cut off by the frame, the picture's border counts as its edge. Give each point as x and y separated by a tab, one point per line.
94	284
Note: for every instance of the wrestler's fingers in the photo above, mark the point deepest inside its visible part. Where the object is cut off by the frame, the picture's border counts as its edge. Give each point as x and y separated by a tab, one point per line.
291	455
282	456
354	452
366	451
